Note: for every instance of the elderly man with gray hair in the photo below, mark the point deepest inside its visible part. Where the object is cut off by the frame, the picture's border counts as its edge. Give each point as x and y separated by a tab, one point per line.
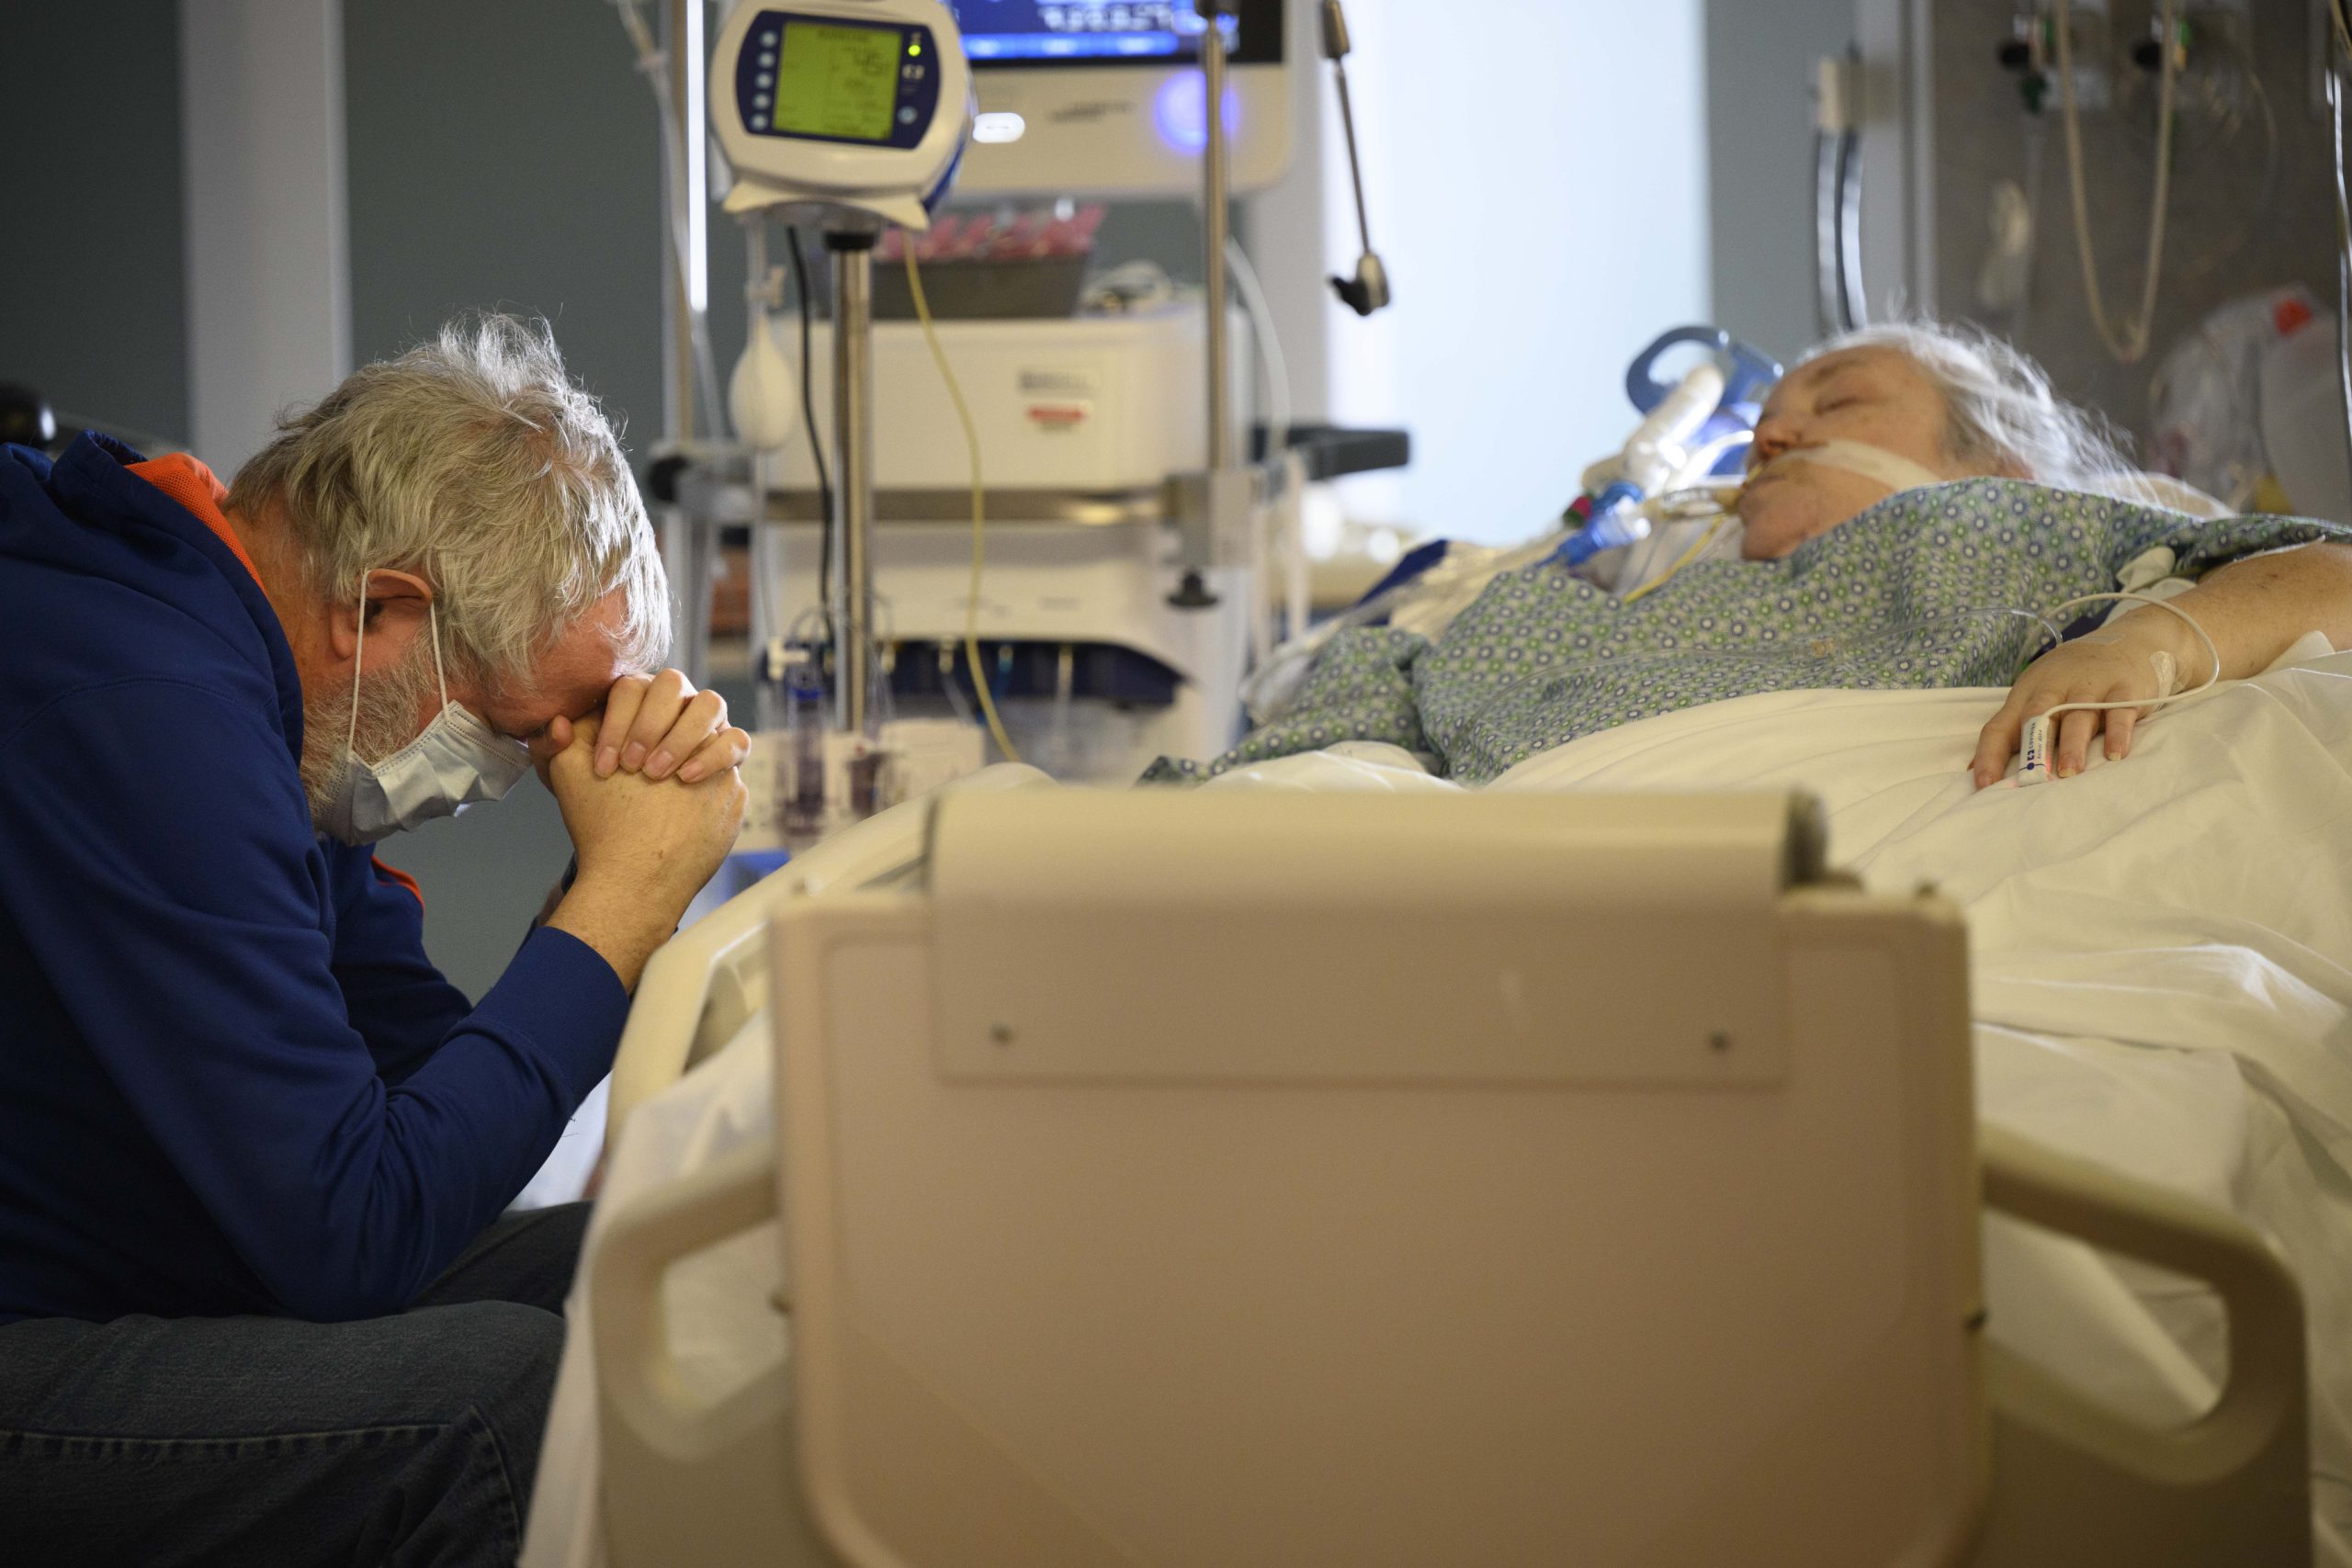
257	1304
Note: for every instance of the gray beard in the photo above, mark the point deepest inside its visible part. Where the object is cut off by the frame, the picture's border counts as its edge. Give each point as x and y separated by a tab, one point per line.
388	705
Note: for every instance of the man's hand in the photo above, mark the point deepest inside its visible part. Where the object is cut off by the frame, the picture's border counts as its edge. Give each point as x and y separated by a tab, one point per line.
2112	666
660	723
657	725
645	848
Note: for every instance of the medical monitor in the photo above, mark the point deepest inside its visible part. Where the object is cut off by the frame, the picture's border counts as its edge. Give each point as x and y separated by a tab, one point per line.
1105	98
857	104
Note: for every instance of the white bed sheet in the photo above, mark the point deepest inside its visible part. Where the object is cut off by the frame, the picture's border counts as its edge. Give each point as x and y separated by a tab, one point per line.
2163	981
2161	956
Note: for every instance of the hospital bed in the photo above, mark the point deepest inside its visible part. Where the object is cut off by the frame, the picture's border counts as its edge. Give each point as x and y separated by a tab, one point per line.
1171	1179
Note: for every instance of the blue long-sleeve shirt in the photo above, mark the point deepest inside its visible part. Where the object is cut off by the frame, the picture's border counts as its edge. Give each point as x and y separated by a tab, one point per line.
230	1079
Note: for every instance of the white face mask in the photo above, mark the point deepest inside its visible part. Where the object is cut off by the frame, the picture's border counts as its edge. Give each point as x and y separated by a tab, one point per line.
457	761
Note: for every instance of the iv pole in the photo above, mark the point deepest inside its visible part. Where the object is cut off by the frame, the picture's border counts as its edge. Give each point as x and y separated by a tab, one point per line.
852	519
1216	199
1216	506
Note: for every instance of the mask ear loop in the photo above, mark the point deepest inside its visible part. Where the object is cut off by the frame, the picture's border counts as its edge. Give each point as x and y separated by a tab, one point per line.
432	614
358	653
351	736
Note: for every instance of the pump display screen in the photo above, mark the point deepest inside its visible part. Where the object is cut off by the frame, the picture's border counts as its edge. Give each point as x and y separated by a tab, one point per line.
1104	32
840	81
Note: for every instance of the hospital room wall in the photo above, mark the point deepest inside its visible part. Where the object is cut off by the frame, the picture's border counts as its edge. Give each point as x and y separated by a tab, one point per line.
93	314
1540	228
1760	62
2232	231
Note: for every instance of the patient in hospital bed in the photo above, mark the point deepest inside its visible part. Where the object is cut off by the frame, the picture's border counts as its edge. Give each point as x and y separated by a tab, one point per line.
1918	507
2161	953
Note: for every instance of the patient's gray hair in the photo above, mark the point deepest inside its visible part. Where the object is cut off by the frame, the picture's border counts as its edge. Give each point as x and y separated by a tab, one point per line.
2002	411
476	462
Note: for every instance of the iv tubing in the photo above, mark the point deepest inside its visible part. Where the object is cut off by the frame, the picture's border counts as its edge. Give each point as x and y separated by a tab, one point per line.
980	509
1652	586
1278	424
1278	390
2130	345
2202	635
2335	70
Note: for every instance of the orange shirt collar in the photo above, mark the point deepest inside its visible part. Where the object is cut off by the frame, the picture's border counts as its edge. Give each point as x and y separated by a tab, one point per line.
196	488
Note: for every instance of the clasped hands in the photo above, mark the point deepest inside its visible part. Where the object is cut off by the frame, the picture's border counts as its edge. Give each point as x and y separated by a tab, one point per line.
654	725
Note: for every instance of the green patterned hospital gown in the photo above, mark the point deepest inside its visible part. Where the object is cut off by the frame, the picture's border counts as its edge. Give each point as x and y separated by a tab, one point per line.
1928	589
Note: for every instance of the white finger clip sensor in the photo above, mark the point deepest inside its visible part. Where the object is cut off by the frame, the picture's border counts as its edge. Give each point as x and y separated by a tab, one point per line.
2034	752
2033	746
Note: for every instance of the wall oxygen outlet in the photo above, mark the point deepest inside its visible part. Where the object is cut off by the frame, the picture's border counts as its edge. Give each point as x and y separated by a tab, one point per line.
2091	34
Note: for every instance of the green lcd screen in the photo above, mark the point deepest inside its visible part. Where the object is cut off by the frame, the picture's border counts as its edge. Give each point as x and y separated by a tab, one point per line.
840	81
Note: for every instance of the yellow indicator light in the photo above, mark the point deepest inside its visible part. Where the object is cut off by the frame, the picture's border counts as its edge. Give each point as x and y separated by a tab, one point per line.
915	48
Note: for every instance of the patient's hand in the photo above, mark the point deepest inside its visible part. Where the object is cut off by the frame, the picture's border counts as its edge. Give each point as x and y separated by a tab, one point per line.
2131	661
2253	610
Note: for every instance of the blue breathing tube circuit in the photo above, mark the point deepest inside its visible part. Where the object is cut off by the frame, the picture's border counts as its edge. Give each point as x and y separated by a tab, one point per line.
1749	374
1668	413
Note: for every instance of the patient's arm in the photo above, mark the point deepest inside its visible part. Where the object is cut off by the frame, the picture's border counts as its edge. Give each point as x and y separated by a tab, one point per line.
2253	609
1360	689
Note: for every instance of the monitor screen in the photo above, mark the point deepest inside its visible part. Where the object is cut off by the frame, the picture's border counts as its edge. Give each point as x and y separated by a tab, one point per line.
1104	32
840	82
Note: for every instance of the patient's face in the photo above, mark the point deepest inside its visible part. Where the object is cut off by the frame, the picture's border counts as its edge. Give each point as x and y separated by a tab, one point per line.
1876	396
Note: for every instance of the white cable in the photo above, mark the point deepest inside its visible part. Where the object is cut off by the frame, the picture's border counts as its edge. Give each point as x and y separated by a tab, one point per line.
1277	369
1278	424
2130	345
2034	749
2336	86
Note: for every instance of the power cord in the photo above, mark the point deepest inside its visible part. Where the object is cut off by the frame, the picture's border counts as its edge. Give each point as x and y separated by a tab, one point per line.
816	447
980	509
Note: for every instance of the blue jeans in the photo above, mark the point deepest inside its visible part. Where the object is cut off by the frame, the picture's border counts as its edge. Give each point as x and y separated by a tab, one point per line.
262	1440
